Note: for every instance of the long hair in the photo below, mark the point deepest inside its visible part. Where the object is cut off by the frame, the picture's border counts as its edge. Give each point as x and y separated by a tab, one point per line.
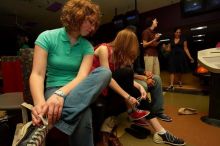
125	48
74	12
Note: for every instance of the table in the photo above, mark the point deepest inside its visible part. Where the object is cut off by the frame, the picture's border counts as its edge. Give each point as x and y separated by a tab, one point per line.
11	100
210	59
11	103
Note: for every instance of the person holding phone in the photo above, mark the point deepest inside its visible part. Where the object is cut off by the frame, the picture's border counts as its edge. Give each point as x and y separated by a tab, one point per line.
150	40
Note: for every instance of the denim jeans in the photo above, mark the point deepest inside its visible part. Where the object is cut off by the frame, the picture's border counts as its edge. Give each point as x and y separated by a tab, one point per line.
76	118
156	93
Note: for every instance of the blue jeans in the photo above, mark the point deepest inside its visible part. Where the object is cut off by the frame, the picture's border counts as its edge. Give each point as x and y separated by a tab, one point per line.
156	92
76	119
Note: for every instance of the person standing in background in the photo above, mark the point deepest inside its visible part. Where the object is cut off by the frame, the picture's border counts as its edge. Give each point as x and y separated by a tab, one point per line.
178	64
151	83
150	42
22	42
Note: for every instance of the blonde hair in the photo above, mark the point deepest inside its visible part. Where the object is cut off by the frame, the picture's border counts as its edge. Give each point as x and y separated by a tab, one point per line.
125	48
74	12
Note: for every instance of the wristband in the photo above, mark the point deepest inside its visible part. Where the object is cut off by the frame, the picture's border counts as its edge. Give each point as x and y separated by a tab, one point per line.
129	97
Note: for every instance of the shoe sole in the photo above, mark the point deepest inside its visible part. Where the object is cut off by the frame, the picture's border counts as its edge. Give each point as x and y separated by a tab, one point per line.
158	139
161	142
131	119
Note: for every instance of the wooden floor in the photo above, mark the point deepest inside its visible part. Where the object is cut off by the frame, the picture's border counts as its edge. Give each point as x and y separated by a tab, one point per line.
189	127
194	94
193	84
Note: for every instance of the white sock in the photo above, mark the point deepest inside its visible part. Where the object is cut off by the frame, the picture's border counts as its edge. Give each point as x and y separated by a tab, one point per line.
162	131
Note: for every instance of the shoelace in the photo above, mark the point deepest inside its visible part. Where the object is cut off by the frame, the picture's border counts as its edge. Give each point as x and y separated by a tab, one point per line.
139	100
135	107
40	134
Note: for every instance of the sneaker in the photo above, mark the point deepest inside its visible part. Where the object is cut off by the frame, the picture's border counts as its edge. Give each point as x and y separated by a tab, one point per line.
167	138
141	122
31	135
164	117
34	136
180	84
170	88
138	114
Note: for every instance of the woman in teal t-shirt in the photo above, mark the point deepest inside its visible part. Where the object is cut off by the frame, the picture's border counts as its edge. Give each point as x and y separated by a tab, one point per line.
62	59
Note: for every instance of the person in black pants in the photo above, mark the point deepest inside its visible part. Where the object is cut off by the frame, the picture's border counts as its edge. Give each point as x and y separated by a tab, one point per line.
119	56
151	83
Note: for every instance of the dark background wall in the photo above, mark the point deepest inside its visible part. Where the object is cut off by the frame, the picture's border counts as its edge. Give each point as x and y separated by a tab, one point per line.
170	17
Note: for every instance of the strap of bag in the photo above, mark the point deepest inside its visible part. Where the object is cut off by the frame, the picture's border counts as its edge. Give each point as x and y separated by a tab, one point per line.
24	107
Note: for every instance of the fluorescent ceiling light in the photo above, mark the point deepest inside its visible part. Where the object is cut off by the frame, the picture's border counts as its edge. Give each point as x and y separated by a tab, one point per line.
200	40
164	40
198	36
198	28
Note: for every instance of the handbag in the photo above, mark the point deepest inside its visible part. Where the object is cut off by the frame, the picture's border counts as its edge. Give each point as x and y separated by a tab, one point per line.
26	134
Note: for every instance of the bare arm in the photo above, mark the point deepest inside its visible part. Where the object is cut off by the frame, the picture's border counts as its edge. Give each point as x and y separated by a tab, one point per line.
141	89
36	80
148	79
166	47
102	53
153	42
54	105
187	51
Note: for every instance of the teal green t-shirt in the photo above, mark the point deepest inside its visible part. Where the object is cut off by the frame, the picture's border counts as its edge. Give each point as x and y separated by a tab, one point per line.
63	60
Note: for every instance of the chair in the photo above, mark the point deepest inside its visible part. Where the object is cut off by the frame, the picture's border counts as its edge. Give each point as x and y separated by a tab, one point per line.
26	59
11	100
54	137
12	96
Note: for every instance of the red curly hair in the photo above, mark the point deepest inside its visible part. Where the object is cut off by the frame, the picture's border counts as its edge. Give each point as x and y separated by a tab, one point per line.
74	12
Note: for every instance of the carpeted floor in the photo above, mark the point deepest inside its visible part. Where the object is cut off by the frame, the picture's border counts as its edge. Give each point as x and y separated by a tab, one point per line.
188	127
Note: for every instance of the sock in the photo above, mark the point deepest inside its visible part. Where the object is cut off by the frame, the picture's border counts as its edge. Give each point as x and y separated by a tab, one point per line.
162	131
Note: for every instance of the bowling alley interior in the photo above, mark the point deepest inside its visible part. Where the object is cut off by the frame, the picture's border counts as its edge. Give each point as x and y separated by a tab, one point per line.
187	88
